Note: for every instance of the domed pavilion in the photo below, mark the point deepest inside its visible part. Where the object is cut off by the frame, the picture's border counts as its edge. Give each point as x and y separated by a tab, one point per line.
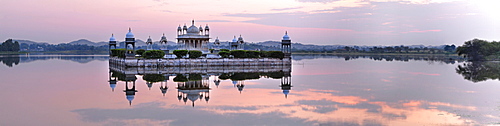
193	38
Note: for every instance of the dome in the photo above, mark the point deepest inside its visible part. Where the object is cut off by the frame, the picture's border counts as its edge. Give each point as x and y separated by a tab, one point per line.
179	28
149	40
130	98
113	86
112	38
130	34
193	29
201	28
234	39
206	27
163	39
240	39
286	37
217	41
193	97
286	92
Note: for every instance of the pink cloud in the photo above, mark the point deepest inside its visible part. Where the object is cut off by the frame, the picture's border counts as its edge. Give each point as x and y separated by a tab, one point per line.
385	80
422	31
421	73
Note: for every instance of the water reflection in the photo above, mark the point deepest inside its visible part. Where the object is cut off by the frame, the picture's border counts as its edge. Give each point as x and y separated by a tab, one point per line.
448	59
479	71
12	60
193	83
326	91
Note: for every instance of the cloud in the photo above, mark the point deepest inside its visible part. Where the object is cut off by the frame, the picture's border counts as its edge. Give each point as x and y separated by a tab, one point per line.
153	112
213	21
283	9
421	73
422	31
317	1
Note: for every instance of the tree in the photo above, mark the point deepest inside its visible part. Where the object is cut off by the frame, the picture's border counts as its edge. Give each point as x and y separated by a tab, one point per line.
474	49
10	46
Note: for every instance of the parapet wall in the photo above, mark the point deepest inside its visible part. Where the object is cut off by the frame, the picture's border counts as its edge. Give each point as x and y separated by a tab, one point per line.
199	62
211	70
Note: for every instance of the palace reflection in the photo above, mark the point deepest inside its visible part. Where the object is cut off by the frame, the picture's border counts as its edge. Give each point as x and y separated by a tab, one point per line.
15	59
193	83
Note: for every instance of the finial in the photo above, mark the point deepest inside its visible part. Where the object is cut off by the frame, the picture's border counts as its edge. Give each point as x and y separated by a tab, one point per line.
129	29
286	32
193	21
163	34
112	35
150	36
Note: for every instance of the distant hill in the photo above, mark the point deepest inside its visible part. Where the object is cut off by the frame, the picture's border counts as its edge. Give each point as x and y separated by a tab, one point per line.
87	42
29	42
263	45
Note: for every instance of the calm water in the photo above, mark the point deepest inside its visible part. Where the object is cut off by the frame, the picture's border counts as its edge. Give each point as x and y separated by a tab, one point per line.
321	90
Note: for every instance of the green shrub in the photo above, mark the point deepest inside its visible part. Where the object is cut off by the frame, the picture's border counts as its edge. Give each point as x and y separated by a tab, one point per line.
224	76
180	78
211	50
153	54
118	52
224	50
276	54
244	76
180	53
140	51
194	54
264	54
194	77
253	54
153	77
239	53
224	54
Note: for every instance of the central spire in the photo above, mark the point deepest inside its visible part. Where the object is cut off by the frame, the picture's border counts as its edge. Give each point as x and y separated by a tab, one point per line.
192	22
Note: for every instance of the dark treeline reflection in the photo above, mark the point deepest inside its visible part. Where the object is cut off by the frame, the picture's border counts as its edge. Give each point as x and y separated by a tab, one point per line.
193	83
11	60
479	71
435	58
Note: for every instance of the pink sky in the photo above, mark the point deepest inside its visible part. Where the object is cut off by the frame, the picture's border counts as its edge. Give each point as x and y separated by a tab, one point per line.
325	22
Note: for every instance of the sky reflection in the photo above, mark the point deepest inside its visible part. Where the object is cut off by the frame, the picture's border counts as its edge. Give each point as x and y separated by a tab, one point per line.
365	92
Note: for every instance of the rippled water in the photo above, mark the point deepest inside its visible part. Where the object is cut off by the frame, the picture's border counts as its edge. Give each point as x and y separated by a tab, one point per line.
319	90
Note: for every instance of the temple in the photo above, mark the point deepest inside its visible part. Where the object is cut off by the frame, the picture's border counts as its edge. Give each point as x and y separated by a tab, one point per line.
193	38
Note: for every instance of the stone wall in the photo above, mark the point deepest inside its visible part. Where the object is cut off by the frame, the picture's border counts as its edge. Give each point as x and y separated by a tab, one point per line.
211	70
199	62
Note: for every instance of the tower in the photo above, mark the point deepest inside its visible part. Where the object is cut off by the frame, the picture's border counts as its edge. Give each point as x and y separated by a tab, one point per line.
286	84
130	44
286	45
149	44
130	92
163	43
240	42
207	30
112	43
234	44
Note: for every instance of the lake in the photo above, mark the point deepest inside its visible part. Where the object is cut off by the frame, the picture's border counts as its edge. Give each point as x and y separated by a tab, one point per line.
315	90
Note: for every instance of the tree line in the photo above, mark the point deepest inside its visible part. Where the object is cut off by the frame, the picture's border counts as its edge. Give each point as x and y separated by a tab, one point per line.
480	50
9	46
